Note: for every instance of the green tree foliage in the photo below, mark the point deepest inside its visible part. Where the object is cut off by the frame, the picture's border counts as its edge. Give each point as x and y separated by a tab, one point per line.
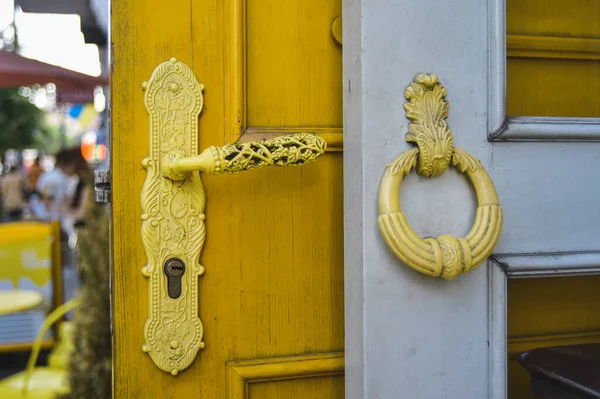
22	125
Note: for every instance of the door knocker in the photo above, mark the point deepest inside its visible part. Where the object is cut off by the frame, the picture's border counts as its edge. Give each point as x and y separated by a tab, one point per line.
445	256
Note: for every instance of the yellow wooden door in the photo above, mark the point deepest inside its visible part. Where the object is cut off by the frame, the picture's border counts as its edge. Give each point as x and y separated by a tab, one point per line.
271	296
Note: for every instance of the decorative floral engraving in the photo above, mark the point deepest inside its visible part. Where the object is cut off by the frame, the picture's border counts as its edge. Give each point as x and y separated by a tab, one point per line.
428	111
293	150
173	202
172	217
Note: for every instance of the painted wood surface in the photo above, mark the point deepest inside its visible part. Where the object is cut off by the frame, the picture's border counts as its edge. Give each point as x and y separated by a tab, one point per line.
548	312
553	67
273	258
409	335
273	285
553	70
543	185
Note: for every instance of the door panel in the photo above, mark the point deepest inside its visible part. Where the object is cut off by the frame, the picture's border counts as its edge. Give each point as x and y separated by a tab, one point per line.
541	168
298	389
552	18
552	70
553	306
546	171
283	70
553	66
548	312
553	87
272	291
293	68
305	376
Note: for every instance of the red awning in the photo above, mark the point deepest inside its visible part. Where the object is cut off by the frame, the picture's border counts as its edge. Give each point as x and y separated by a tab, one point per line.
16	71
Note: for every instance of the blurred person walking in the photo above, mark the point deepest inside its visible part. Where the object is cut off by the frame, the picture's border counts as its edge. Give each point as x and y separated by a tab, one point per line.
13	194
76	211
53	187
80	202
33	177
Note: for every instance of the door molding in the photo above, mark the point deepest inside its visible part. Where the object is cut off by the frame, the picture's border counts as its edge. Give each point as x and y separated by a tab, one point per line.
236	76
497	370
550	264
502	127
240	374
541	128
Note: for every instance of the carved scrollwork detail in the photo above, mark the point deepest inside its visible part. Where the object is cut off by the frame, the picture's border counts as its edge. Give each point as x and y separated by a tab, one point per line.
293	150
445	256
465	161
172	217
404	163
173	230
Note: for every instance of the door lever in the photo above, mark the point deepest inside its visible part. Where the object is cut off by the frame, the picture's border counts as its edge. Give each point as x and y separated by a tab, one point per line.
291	150
173	198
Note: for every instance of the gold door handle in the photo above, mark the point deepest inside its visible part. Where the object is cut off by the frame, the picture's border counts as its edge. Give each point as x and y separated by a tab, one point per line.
172	198
292	150
445	256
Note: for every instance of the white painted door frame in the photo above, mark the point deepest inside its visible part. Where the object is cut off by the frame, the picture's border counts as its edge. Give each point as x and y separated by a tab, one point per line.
409	335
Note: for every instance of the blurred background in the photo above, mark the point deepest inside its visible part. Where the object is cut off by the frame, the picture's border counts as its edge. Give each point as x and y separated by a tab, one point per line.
54	133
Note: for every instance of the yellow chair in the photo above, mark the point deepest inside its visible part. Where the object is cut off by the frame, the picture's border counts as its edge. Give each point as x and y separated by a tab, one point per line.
61	353
15	301
44	382
33	251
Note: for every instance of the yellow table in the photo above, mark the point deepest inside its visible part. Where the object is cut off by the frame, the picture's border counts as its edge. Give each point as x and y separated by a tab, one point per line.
18	301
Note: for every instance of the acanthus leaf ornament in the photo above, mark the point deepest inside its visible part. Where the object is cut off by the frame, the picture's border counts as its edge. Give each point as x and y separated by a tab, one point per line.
445	256
427	110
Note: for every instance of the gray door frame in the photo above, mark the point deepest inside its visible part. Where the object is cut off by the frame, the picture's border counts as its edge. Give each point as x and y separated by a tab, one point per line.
413	336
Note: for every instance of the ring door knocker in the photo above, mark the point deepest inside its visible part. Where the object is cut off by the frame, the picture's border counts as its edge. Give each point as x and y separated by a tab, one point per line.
172	198
445	256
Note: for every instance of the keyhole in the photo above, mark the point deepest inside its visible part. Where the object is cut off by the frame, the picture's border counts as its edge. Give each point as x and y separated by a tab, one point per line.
174	270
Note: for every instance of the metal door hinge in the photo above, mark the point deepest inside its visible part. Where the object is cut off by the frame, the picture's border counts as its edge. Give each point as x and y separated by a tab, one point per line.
102	189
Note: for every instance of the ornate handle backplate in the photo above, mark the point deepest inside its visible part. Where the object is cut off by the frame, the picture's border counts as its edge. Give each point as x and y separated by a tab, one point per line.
173	198
445	256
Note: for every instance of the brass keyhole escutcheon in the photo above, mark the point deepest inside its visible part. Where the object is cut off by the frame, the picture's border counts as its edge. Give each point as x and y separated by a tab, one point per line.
174	269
